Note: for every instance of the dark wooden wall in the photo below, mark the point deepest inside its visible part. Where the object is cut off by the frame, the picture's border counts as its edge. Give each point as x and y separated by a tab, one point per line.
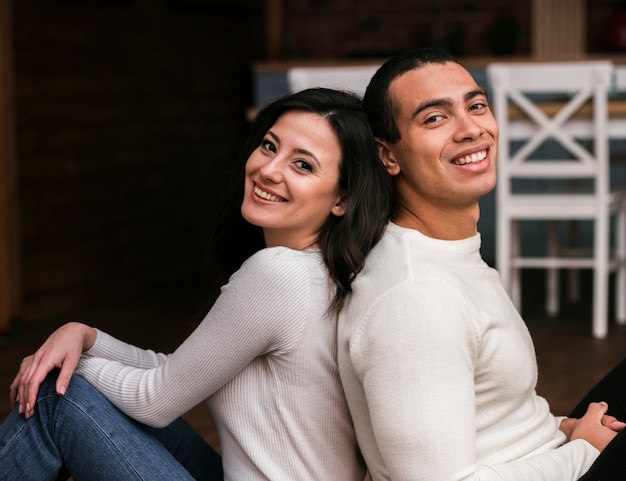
129	112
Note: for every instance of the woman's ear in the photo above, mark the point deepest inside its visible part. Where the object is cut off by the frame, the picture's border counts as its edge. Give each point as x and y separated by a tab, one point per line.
340	208
387	157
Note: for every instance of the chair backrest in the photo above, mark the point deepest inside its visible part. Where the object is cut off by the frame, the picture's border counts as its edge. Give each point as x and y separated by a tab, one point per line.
553	120
351	78
620	78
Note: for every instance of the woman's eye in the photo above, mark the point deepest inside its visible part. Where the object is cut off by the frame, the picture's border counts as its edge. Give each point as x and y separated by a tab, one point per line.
304	165
268	145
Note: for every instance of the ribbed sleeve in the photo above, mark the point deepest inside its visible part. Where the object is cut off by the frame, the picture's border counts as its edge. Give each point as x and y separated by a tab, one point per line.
263	359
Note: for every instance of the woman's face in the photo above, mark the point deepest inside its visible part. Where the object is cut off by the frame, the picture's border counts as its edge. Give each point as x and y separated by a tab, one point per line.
292	180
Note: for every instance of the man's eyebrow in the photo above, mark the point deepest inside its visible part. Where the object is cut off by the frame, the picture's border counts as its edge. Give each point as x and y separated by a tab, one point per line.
447	102
475	93
444	102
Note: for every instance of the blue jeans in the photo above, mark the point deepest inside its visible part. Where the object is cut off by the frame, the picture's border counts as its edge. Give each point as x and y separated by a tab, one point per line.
84	434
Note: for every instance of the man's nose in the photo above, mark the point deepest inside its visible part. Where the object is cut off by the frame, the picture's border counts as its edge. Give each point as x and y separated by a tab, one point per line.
468	127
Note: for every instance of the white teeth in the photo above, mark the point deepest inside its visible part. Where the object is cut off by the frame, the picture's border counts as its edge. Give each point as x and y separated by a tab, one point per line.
264	195
472	158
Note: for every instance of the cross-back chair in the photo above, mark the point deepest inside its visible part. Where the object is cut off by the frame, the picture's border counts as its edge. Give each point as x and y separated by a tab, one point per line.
553	166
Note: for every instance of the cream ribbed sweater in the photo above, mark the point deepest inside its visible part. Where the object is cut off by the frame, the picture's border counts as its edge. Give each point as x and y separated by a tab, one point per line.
264	360
440	371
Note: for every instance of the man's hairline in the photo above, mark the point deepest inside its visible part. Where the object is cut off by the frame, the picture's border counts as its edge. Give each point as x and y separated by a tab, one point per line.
395	108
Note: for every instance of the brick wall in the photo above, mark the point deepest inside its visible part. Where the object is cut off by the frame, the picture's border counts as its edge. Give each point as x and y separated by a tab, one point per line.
342	29
128	114
377	28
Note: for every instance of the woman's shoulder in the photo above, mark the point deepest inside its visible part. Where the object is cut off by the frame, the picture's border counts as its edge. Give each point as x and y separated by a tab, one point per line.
283	265
284	258
286	285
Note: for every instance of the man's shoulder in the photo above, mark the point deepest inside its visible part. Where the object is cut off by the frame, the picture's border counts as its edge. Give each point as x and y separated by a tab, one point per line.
387	262
387	266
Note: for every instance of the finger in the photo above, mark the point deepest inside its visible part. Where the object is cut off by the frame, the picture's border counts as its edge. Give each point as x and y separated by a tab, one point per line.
19	384
613	423
13	393
39	372
65	375
597	410
13	397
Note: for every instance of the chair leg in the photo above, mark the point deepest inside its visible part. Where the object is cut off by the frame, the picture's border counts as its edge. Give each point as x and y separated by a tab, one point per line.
515	273
600	278
574	274
620	277
574	286
552	273
504	251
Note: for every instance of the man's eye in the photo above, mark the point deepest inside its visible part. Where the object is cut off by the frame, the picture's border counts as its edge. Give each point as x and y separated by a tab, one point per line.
304	165
434	118
478	106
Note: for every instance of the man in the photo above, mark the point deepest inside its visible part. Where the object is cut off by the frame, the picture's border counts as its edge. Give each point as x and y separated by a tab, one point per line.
438	367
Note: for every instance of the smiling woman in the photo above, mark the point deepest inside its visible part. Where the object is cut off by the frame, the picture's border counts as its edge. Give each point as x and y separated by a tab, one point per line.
292	181
264	357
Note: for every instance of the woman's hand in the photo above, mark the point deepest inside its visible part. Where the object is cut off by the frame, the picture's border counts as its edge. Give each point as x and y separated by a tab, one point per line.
595	427
61	350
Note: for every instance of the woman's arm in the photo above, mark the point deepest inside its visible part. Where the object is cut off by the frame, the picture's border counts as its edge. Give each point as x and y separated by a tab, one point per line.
261	310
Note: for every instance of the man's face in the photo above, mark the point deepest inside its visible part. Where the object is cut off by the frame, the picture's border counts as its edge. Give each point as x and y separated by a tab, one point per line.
446	156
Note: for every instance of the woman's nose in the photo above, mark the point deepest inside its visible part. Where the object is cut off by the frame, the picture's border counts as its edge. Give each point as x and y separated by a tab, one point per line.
272	170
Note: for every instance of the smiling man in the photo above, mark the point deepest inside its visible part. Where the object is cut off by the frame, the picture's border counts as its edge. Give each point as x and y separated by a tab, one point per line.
438	366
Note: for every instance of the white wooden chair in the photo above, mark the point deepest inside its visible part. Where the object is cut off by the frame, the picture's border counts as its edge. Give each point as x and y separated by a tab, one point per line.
353	78
553	120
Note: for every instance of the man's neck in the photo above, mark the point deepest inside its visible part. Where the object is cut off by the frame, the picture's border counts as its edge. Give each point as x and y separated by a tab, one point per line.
440	223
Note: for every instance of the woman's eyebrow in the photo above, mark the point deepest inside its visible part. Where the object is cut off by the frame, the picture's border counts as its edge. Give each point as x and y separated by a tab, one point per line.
274	136
297	151
308	154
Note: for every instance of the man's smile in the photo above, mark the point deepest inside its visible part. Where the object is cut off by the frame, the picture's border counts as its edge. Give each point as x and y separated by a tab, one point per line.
471	158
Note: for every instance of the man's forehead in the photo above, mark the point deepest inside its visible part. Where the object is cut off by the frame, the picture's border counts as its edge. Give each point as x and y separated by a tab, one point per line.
432	81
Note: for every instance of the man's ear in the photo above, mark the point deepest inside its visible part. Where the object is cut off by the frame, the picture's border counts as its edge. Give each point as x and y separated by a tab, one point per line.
387	157
340	208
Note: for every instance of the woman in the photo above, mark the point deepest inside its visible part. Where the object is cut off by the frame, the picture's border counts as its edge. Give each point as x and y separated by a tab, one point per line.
264	357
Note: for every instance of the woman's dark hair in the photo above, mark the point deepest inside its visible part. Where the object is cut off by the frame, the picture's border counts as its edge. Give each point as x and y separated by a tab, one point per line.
378	104
344	241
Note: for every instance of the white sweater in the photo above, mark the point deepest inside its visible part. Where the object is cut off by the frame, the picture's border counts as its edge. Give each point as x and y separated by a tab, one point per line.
440	371
264	360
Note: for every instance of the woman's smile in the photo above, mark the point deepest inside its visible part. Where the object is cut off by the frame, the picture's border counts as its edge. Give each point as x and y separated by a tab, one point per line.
267	195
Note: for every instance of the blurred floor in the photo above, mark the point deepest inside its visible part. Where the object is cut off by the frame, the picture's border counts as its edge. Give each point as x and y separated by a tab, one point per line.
570	360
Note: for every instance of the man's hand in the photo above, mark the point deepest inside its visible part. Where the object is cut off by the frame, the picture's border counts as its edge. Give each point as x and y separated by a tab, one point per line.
595	427
61	350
